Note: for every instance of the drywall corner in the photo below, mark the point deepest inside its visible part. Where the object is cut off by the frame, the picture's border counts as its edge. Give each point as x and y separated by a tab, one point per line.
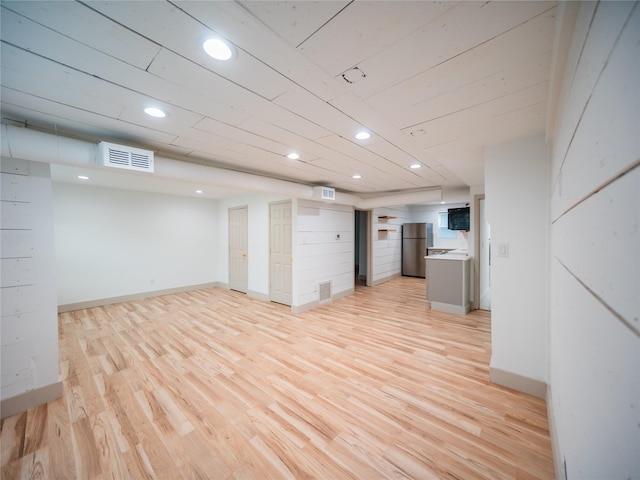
558	463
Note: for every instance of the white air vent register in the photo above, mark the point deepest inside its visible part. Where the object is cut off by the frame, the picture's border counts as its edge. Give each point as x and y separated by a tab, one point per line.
127	158
328	193
324	291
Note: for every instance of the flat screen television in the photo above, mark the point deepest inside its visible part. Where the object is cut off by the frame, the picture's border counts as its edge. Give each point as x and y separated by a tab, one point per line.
459	218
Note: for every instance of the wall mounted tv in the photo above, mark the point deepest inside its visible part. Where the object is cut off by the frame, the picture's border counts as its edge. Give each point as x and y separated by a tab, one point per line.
459	218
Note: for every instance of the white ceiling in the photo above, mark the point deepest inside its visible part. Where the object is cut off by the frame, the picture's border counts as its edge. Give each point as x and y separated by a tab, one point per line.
434	82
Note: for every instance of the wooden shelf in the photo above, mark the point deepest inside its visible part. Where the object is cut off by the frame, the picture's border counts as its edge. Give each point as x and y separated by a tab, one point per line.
382	222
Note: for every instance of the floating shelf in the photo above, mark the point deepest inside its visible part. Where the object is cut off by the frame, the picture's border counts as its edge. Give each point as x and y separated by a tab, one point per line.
387	230
385	217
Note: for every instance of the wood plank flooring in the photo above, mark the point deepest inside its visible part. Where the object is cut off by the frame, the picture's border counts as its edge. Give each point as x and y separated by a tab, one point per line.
213	384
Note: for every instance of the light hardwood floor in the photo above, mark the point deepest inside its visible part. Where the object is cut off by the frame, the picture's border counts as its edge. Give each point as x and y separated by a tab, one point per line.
213	384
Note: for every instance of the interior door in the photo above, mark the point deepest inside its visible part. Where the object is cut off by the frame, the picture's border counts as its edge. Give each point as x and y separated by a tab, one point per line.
362	257
485	260
238	261
280	253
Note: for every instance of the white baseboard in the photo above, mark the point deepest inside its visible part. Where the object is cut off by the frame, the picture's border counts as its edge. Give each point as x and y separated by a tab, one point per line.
128	298
449	308
30	399
518	382
250	293
259	296
385	279
156	293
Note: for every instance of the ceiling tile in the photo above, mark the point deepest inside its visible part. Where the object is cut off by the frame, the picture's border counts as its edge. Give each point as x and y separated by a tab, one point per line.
82	24
184	35
294	21
365	28
237	24
502	65
64	85
449	35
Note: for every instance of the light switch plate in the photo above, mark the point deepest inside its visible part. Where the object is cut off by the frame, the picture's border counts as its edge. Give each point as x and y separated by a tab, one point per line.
503	250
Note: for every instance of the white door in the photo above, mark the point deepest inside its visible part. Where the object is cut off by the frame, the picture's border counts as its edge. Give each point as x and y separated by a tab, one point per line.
238	262
485	260
281	253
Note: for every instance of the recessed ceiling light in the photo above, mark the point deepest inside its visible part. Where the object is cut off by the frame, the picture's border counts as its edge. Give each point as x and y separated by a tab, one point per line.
198	191
155	112
293	156
83	177
218	49
362	135
443	202
356	176
415	165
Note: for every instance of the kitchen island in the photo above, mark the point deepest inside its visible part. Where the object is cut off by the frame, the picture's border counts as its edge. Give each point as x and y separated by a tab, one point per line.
449	283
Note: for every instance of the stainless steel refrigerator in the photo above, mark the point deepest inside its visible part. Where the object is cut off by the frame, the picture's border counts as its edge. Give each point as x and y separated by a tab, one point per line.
416	238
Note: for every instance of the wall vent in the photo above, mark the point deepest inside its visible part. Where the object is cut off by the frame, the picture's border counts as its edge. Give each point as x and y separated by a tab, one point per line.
328	193
324	291
127	158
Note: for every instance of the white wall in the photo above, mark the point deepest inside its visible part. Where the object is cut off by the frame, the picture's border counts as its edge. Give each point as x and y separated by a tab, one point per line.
29	332
594	395
319	255
516	186
115	243
386	247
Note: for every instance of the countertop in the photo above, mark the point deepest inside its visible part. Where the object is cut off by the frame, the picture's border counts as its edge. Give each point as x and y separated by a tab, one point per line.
448	256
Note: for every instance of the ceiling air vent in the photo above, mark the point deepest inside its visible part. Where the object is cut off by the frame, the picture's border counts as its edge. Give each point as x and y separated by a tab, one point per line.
127	158
328	193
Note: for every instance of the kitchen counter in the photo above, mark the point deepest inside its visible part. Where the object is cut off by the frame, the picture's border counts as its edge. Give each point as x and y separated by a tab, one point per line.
438	251
448	256
449	282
